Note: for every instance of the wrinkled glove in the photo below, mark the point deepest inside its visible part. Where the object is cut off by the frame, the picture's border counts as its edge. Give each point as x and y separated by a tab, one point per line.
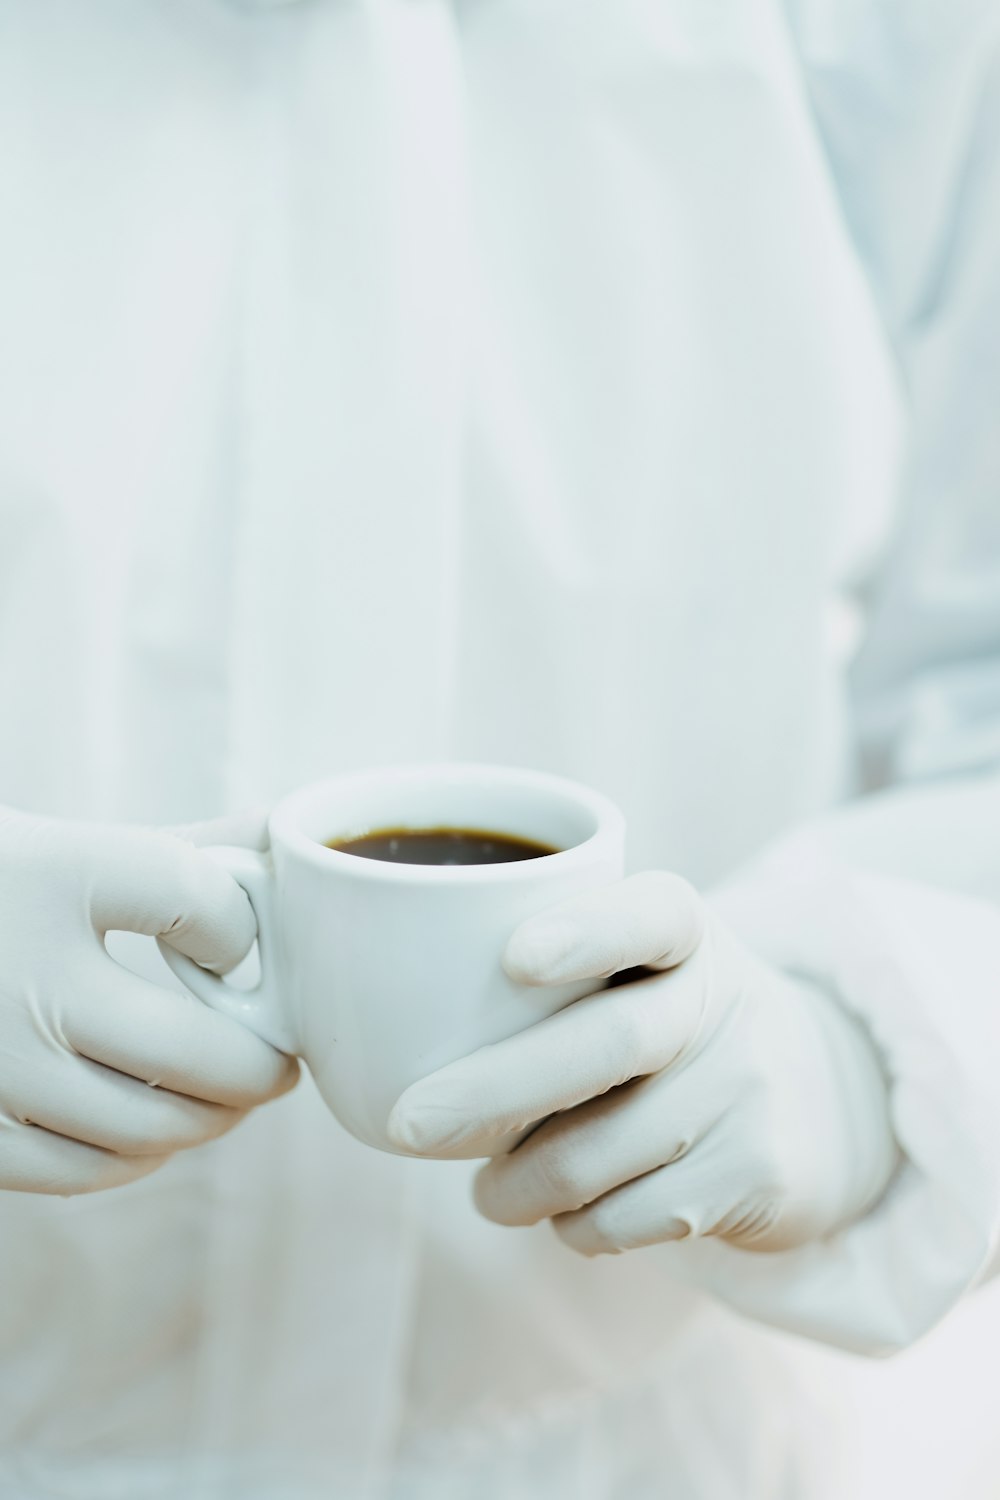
716	1097
104	1075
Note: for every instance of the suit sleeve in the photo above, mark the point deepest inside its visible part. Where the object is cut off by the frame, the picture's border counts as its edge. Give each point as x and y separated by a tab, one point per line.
893	903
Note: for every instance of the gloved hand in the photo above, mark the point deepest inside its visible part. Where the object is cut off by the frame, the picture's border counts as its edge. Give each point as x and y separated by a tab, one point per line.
717	1096
103	1075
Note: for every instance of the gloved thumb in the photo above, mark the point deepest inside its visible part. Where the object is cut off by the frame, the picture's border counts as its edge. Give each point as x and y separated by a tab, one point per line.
246	829
654	919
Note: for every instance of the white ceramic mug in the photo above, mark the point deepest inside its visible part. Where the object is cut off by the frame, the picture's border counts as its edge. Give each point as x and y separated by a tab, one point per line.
379	973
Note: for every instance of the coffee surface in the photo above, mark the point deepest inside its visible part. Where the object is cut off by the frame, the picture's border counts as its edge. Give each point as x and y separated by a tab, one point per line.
441	846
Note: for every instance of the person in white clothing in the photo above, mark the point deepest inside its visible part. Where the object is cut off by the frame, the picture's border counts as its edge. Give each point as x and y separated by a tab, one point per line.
603	388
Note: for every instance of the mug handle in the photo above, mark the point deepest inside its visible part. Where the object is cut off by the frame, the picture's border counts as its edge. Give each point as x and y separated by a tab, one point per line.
258	1009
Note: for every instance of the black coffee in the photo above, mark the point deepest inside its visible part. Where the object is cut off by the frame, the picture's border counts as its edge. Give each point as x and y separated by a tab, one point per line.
441	846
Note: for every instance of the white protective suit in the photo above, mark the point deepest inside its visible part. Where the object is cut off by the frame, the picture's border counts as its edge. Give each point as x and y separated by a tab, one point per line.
559	382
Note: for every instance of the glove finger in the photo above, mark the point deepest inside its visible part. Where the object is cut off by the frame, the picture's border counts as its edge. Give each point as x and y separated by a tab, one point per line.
160	885
654	920
34	1160
100	1107
161	1036
581	1155
647	1211
581	1052
722	1187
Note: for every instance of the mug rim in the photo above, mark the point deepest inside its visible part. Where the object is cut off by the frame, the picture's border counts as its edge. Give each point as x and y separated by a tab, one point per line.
284	823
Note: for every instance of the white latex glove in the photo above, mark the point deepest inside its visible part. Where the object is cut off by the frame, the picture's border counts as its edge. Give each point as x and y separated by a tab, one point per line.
718	1097
103	1075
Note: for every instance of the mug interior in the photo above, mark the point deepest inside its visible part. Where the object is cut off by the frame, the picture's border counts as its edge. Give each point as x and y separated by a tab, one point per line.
526	805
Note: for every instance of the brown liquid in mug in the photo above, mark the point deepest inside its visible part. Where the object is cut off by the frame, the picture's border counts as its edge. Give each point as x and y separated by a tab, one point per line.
441	846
